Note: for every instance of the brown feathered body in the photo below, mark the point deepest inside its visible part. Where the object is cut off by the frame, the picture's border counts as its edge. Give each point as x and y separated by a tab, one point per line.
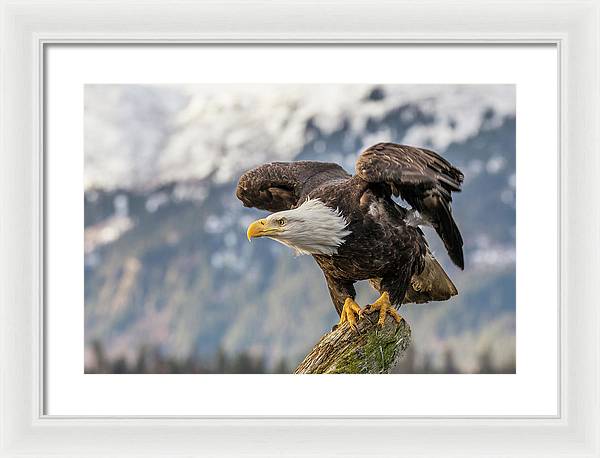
382	246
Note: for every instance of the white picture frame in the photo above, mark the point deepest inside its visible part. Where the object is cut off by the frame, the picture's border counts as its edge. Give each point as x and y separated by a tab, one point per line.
27	27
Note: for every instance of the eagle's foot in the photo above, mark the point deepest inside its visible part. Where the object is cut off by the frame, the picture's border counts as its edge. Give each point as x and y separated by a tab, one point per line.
385	308
350	313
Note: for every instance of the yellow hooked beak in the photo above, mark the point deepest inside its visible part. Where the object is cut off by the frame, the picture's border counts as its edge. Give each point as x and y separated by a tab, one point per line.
261	228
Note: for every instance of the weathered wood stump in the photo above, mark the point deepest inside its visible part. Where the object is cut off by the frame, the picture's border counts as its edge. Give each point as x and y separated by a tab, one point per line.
371	350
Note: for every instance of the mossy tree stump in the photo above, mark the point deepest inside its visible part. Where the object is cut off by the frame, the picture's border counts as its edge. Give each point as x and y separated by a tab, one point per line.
369	350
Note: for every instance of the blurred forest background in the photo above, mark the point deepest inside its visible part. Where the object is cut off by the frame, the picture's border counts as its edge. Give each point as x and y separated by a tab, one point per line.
173	286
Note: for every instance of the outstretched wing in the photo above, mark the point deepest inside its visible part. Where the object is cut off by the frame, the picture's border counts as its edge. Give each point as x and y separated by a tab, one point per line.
422	178
280	186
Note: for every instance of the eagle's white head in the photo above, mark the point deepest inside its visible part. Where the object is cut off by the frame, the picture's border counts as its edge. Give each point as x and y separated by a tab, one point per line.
311	228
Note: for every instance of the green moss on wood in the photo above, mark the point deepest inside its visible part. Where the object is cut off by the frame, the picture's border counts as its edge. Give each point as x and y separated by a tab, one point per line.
371	350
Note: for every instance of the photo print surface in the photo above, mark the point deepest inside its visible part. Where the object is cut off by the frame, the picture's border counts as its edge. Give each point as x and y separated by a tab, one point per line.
172	284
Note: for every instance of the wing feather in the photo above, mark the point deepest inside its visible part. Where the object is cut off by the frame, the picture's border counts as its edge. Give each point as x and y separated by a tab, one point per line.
422	178
278	186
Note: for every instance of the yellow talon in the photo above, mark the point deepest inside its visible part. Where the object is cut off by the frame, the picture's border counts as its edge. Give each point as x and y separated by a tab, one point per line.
385	307
350	311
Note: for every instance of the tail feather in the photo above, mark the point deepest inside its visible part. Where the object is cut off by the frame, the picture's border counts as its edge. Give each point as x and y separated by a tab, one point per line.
433	284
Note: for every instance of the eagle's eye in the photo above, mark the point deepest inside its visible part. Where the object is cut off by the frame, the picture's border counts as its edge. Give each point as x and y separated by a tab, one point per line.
281	221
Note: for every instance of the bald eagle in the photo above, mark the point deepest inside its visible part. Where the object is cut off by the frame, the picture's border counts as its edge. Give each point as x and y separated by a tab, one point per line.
355	230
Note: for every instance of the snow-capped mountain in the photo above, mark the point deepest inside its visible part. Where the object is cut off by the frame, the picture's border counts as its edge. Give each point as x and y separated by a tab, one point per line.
141	136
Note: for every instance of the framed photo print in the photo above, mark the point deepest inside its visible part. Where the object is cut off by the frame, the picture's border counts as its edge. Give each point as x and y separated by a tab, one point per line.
295	229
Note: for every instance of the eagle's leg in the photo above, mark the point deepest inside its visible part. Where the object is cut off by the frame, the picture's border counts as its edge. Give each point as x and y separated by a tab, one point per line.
350	312
385	307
